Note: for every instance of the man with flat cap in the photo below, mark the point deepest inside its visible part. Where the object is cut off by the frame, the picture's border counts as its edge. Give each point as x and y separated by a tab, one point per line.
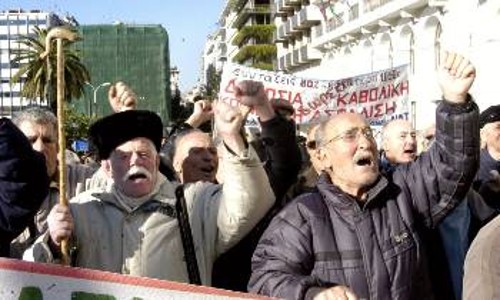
133	227
487	180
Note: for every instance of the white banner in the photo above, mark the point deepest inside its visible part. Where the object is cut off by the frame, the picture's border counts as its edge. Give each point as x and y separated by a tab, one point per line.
20	280
380	96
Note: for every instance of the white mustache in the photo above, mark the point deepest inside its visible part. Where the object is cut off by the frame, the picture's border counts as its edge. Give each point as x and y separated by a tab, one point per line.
137	170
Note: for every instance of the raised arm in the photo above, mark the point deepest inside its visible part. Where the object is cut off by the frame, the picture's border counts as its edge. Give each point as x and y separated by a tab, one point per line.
246	192
282	154
441	178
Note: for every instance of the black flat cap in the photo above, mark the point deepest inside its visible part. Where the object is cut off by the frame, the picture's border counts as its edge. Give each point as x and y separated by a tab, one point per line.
281	105
111	131
489	115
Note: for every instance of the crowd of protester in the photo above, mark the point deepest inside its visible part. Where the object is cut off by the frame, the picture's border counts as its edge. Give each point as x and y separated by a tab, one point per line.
329	216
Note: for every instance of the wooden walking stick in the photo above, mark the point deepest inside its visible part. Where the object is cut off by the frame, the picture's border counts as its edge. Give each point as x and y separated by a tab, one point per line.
60	33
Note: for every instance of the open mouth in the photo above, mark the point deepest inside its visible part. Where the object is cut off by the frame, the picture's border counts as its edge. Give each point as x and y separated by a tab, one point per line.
409	152
137	176
207	170
363	160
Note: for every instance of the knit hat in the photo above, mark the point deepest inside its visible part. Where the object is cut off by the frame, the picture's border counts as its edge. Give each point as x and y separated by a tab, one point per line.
110	132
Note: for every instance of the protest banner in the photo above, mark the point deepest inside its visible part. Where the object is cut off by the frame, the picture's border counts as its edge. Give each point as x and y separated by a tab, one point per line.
21	280
380	96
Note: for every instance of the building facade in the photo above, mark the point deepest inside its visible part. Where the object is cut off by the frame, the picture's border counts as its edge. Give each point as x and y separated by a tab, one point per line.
334	39
245	36
338	39
135	54
14	24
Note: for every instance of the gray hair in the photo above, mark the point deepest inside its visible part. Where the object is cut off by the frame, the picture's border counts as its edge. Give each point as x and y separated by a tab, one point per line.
319	135
37	115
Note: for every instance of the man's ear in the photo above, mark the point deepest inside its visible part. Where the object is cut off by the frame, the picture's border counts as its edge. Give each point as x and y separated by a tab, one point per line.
106	166
383	145
322	158
158	161
482	135
177	164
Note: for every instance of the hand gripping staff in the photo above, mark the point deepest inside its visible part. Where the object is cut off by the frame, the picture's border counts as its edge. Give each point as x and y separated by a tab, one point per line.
60	33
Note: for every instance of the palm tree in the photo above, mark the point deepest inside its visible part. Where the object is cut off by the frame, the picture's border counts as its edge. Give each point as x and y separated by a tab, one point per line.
40	80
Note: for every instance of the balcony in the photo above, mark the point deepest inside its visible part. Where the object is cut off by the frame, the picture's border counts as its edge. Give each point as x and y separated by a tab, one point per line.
309	54
367	14
288	61
249	11
223	49
309	16
334	23
371	5
295	22
281	64
282	32
289	30
296	57
279	36
293	2
317	31
281	8
438	3
223	33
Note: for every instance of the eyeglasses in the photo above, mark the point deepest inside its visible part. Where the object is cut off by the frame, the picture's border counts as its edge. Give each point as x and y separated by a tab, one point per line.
352	135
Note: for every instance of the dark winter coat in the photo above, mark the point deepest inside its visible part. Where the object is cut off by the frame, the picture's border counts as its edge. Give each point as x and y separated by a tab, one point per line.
484	179
24	183
327	238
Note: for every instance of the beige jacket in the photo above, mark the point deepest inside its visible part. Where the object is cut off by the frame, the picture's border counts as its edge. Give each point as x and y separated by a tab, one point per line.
481	275
146	241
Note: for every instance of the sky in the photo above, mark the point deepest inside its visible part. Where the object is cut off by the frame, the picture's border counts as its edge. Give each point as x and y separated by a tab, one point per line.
188	23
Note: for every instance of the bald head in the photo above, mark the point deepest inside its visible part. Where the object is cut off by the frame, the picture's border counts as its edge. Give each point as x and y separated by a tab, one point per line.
399	142
348	153
195	157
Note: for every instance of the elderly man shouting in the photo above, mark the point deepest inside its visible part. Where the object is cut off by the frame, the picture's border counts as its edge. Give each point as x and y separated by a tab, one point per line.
358	236
134	226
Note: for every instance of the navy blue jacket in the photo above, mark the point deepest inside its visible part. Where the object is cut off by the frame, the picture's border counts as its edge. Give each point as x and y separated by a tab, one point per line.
24	183
483	178
327	238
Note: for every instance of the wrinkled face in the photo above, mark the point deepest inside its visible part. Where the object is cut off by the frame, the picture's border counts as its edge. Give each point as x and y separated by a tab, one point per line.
349	154
400	142
134	167
43	138
490	133
195	158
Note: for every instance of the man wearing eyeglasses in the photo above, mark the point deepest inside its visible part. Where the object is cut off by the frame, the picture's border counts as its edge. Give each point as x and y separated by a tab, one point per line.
358	235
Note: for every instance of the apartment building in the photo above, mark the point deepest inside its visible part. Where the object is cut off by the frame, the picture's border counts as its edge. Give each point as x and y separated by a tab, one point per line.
342	38
244	36
15	23
334	39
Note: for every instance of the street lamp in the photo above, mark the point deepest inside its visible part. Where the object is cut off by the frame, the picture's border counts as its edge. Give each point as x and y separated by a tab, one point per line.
95	89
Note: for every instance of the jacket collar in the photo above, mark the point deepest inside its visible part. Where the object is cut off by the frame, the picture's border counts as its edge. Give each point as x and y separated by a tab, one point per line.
333	193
